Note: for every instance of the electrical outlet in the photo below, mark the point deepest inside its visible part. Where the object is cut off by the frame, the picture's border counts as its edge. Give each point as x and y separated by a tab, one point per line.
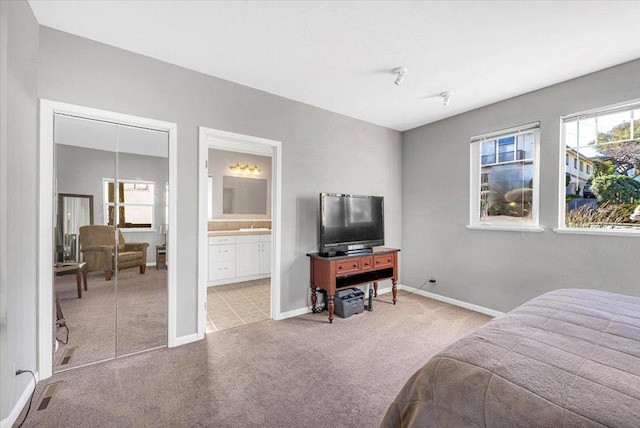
433	279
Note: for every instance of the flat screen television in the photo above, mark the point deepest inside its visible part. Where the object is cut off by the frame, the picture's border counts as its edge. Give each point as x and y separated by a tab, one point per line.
350	223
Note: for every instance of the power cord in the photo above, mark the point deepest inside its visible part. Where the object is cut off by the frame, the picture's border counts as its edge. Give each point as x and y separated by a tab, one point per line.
19	372
318	309
63	324
425	283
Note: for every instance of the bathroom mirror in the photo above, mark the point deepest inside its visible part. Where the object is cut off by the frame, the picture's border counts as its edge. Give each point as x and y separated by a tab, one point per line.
244	195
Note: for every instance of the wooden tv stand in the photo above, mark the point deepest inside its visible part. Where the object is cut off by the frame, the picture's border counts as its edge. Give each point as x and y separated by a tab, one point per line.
335	273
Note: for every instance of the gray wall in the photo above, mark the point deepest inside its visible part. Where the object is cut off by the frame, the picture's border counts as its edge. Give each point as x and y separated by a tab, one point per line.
500	270
219	163
18	201
321	151
81	170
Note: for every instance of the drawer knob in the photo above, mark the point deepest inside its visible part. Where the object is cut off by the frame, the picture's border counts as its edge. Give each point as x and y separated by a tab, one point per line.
355	265
340	268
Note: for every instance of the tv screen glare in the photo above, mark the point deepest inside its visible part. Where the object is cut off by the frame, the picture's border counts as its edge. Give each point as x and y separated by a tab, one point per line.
350	221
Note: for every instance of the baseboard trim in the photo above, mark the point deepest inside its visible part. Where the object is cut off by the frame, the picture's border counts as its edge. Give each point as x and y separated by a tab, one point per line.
236	279
22	401
466	305
383	291
307	310
183	340
294	313
455	302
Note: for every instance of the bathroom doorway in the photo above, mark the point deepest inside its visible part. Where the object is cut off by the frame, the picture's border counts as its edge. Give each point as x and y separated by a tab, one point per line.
239	239
239	233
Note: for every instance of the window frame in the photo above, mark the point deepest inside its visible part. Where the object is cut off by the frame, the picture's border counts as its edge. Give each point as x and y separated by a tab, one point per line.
562	227
475	157
106	204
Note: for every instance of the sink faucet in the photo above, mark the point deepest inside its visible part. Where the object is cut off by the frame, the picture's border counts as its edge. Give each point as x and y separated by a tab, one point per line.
252	225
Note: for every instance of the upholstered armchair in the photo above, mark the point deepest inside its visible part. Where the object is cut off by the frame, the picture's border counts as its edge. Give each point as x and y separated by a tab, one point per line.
97	245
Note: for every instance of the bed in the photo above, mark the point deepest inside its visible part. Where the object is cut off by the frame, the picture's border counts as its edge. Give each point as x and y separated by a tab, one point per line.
568	358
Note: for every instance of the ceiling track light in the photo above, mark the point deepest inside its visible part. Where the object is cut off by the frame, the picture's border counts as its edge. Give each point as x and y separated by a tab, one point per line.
399	72
446	98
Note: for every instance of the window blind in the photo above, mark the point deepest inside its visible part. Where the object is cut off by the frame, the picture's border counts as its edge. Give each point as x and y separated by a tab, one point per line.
600	112
516	130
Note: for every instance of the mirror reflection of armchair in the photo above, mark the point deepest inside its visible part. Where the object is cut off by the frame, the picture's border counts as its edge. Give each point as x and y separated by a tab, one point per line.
97	245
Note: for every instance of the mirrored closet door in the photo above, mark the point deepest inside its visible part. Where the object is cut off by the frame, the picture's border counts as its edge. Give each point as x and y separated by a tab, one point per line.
140	214
111	187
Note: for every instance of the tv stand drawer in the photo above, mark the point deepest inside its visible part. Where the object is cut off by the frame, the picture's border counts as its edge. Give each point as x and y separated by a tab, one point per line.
383	260
366	263
347	266
356	264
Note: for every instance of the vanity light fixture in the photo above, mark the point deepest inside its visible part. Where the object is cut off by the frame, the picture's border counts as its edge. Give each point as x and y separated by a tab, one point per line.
446	98
399	72
246	169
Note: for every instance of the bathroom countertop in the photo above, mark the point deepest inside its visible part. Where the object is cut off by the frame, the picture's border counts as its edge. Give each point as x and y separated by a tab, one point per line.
237	232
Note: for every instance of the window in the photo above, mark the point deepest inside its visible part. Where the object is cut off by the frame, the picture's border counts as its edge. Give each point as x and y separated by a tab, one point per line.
566	159
575	164
135	203
504	179
607	141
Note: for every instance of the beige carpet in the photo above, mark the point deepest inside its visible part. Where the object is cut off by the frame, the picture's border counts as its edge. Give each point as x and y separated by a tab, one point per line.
297	372
105	321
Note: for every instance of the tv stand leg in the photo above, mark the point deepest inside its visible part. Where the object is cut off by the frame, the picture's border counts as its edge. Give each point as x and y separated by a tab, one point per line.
394	289
331	307
375	288
314	299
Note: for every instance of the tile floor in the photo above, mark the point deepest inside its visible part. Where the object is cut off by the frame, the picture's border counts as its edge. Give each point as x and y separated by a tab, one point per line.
233	305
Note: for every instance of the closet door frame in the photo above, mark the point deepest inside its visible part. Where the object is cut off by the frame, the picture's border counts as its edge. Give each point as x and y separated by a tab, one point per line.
45	253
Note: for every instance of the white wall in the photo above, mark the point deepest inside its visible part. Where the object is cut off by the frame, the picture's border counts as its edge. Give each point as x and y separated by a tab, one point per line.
219	163
500	270
321	151
18	200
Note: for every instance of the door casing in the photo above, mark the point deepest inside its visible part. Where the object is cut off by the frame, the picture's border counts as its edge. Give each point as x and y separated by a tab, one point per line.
45	344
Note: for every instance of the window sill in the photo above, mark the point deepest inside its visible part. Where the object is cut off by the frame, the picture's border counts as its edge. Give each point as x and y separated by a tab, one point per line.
598	232
137	230
536	229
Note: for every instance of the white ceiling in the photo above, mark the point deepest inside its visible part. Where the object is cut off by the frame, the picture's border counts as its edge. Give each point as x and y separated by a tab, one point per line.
93	134
339	55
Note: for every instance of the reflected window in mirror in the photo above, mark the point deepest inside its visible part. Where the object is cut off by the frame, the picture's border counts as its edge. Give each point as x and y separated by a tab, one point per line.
135	201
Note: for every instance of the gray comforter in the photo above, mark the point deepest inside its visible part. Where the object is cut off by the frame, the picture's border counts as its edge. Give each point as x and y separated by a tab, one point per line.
568	358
